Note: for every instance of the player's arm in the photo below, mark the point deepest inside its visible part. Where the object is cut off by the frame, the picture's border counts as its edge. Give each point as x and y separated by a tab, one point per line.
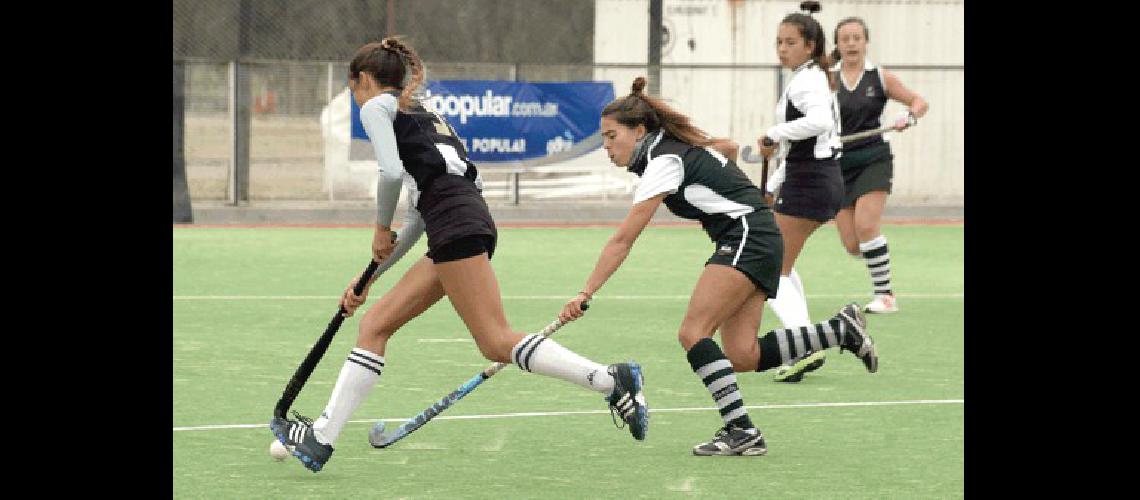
377	116
662	177
621	242
727	147
406	238
915	104
813	98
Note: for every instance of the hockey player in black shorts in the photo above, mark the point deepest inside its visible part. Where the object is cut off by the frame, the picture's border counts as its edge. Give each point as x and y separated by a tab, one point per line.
419	150
680	166
867	164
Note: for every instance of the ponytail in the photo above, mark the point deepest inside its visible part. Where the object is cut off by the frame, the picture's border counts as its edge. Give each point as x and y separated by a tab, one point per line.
389	62
639	108
812	32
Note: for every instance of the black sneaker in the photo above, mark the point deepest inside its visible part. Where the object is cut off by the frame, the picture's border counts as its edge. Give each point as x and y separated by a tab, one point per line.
297	435
731	440
795	371
627	399
857	341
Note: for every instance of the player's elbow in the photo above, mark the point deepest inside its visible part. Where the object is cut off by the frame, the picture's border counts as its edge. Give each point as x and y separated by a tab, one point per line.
392	174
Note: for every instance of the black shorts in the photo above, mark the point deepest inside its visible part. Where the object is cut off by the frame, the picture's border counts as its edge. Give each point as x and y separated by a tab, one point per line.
467	246
865	170
812	189
456	219
761	255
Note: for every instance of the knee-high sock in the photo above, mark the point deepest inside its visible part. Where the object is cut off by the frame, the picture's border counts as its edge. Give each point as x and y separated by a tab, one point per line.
795	277
790	305
357	378
878	259
538	354
715	371
785	345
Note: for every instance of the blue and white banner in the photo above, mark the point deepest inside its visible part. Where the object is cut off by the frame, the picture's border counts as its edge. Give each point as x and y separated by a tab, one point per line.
502	121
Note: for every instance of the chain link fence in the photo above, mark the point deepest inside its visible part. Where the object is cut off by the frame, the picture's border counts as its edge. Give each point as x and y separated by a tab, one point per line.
291	58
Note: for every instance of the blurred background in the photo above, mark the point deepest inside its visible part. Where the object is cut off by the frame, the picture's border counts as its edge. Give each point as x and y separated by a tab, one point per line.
262	112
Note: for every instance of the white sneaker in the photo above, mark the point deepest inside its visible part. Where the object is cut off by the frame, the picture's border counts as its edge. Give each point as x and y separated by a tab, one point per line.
882	304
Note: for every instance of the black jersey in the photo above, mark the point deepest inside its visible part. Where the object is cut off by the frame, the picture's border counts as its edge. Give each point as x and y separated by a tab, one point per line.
419	135
703	184
861	106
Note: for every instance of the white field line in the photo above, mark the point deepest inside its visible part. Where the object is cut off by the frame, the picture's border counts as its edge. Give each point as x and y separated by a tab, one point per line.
592	412
565	297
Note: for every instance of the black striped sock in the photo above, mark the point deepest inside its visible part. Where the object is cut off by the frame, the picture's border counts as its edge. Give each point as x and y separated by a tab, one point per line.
784	345
878	259
524	350
709	362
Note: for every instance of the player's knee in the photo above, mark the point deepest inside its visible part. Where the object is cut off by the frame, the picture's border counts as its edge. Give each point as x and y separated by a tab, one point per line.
688	337
866	232
493	349
377	326
743	360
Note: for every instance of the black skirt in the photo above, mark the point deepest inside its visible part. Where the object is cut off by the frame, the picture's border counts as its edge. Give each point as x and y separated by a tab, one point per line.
453	208
812	189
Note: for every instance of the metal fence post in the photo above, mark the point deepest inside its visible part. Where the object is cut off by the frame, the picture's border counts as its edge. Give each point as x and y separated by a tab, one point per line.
328	124
183	213
238	186
655	30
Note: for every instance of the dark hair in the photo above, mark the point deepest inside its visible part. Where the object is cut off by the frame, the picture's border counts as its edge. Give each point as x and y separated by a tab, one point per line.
835	55
388	62
812	32
639	108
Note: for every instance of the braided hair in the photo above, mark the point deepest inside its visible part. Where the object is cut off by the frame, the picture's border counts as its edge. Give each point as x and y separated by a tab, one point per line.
389	62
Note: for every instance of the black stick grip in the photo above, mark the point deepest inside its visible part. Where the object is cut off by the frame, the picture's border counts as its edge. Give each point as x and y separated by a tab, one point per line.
293	388
767	142
363	281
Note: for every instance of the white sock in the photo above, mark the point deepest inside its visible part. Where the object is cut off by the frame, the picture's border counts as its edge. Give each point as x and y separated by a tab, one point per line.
795	277
356	380
538	354
790	305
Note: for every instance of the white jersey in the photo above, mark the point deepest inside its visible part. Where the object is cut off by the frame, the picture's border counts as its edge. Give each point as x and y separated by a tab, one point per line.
807	120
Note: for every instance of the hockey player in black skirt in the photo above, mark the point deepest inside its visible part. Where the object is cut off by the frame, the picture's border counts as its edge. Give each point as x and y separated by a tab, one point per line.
807	182
863	91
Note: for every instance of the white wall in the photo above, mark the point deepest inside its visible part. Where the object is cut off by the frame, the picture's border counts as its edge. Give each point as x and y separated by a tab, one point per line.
741	103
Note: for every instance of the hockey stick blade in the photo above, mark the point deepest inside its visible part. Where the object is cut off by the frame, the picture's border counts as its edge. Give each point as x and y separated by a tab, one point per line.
379	438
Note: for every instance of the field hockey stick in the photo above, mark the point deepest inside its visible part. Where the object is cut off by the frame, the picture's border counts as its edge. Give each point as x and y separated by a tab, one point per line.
911	121
318	350
747	155
379	439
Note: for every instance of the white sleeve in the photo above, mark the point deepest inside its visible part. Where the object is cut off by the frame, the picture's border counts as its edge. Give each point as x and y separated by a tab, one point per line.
377	116
406	237
810	94
662	175
776	178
